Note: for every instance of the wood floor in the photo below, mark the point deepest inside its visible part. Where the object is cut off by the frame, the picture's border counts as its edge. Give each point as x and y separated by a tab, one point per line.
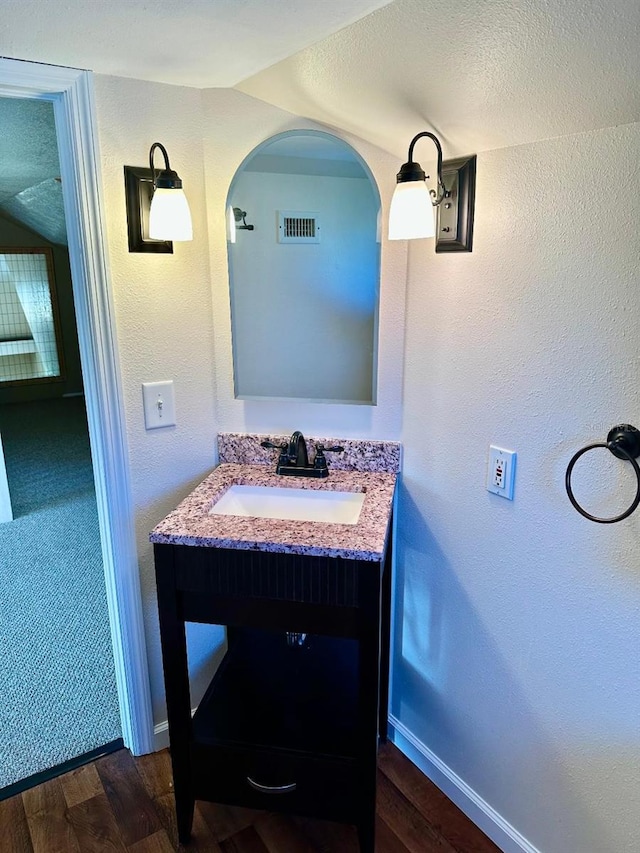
119	803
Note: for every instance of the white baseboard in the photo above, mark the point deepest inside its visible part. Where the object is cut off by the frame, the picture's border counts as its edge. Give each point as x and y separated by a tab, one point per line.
161	734
478	810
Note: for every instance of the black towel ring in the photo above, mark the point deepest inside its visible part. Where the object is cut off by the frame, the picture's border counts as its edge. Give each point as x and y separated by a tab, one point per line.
624	442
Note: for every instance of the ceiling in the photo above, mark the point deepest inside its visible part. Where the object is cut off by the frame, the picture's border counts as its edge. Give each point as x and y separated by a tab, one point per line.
28	148
202	43
481	74
30	188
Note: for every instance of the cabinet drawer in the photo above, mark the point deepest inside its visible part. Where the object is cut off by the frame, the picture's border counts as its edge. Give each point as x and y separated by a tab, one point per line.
276	781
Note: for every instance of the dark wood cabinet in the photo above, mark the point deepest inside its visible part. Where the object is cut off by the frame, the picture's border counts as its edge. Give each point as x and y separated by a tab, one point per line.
282	726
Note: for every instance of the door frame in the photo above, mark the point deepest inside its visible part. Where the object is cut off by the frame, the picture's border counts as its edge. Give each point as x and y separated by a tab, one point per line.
71	93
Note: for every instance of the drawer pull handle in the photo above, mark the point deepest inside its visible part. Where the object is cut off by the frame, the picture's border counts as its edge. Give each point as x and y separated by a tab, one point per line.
272	789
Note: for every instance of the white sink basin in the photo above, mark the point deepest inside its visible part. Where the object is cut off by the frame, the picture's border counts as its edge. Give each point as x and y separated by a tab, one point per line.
292	504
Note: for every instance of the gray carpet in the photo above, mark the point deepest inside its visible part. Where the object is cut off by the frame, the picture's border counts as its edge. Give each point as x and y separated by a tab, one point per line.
58	694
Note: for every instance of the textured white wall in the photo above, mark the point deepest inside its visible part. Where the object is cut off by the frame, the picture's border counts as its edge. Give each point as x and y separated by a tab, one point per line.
169	309
518	629
163	320
482	75
517	652
234	124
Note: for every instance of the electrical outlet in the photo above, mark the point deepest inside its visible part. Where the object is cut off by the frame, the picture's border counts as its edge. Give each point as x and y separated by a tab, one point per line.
501	472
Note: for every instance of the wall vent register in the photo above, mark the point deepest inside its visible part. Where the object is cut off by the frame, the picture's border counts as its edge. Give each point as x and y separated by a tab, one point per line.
298	226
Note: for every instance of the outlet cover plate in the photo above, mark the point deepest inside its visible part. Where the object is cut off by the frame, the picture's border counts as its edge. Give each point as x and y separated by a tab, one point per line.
501	472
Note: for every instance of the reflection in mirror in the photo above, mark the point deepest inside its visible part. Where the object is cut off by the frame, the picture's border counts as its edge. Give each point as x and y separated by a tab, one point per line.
304	262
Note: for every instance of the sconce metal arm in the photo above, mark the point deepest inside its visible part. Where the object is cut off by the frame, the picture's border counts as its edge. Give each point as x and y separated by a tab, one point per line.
166	178
412	171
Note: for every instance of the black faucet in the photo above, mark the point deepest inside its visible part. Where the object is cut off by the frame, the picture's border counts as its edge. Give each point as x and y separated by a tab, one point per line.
297	454
293	460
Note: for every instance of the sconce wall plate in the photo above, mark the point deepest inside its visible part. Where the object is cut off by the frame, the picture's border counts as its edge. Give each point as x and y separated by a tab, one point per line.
454	217
138	184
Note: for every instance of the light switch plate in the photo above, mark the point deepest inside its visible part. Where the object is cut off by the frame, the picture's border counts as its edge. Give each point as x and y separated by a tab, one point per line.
159	404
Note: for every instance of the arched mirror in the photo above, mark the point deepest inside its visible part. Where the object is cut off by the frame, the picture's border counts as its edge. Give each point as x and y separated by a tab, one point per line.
304	269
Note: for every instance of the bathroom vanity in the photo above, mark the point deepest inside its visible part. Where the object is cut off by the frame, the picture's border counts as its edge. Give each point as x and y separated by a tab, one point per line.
292	717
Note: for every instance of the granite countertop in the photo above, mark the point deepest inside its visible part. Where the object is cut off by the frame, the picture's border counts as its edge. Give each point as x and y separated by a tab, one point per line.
191	524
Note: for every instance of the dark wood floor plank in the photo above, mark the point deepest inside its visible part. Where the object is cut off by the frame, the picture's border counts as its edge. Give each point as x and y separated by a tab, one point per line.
155	772
386	839
463	835
280	835
225	821
413	830
45	797
46	811
81	784
156	843
132	807
202	840
124	804
95	826
245	841
328	837
14	827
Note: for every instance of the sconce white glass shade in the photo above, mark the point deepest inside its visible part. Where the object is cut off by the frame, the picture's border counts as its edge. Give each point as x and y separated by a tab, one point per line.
411	215
170	217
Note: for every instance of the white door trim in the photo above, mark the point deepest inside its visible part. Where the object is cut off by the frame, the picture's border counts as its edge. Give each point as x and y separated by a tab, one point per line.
71	92
6	512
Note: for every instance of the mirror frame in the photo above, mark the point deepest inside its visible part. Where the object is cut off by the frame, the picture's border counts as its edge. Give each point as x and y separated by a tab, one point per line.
256	150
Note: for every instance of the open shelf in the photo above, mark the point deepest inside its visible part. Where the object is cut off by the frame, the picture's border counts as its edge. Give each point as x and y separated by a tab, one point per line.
267	694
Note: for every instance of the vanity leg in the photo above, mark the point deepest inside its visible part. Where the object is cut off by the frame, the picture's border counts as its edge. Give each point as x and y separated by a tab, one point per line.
184	817
385	644
369	711
176	679
367	834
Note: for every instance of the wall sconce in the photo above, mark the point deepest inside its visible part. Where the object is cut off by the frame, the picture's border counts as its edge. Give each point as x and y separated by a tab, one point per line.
157	208
446	212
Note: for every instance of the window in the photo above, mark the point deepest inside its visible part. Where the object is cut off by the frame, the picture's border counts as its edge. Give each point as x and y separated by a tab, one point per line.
29	330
